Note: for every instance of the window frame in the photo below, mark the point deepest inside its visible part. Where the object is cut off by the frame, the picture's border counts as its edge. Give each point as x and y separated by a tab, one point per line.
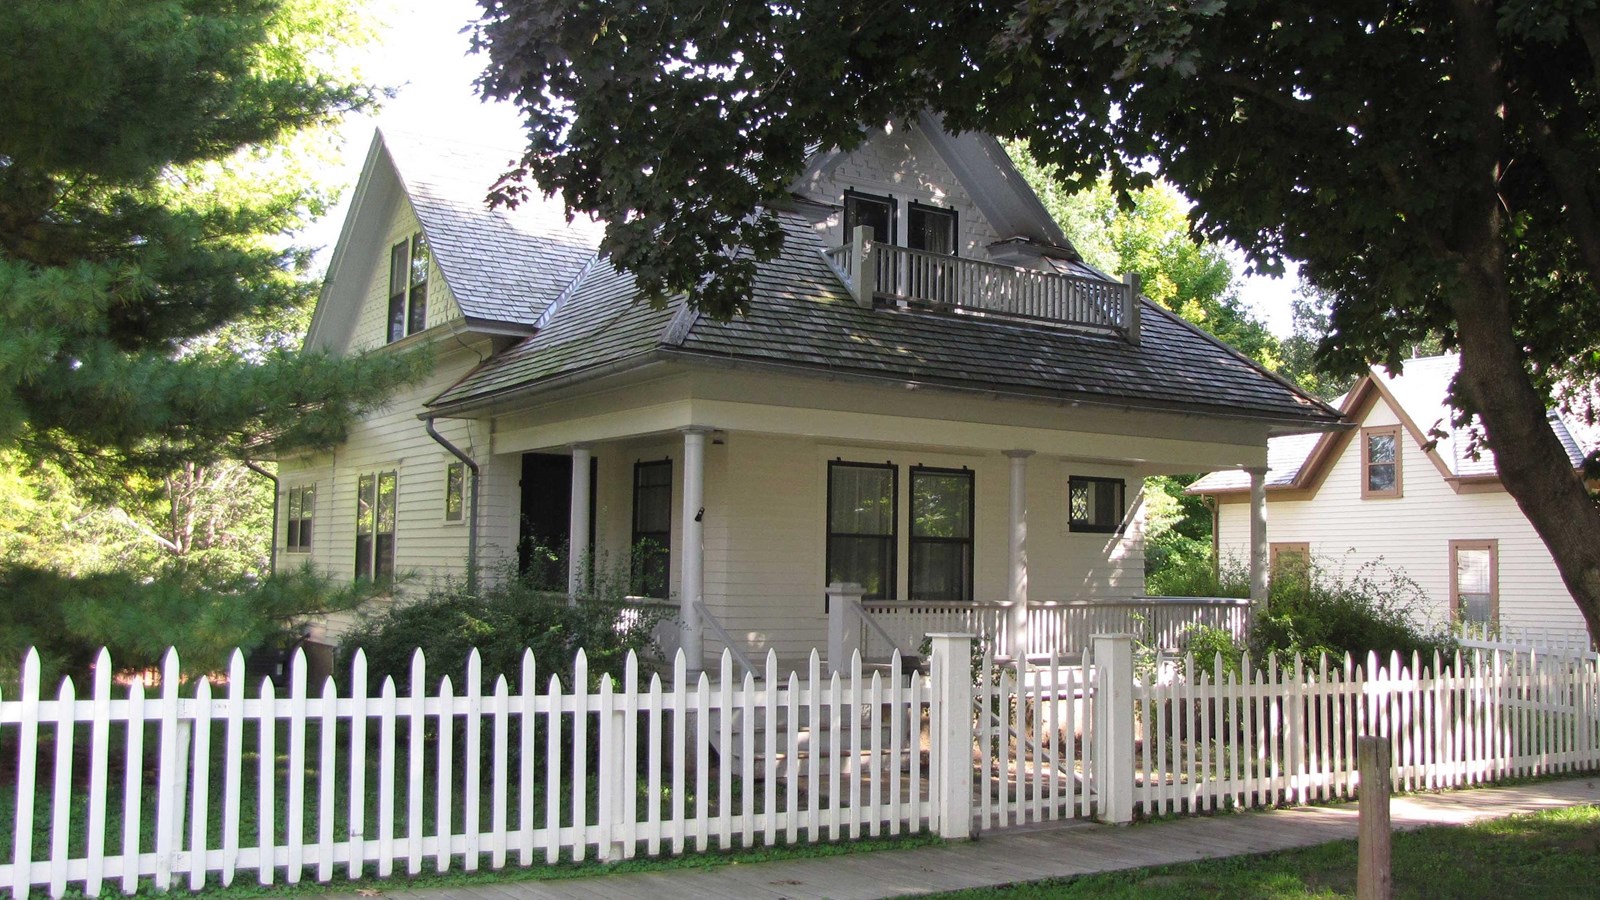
852	195
298	529
1492	546
376	560
458	471
1397	432
1090	527
1275	548
915	207
408	287
891	578
913	540
664	553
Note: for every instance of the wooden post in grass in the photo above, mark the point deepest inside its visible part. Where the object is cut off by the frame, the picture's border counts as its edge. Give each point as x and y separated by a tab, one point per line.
1373	878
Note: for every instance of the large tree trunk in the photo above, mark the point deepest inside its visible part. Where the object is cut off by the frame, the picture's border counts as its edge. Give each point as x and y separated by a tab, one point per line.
1533	465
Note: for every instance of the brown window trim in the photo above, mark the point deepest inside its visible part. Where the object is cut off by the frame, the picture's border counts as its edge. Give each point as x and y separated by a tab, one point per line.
1399	470
1493	546
1301	547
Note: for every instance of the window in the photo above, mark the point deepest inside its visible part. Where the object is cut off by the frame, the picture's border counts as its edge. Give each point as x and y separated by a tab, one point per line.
652	526
1290	561
871	210
455	488
375	497
1380	461
862	503
941	535
931	228
302	502
1475	581
408	287
1095	504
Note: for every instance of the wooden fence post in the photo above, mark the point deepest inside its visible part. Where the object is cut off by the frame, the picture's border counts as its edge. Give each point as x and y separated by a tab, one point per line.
951	771
1373	878
1113	726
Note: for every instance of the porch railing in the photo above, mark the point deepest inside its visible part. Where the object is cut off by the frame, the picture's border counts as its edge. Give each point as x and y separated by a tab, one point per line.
1062	627
874	270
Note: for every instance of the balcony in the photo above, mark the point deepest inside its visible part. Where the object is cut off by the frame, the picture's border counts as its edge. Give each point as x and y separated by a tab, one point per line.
877	272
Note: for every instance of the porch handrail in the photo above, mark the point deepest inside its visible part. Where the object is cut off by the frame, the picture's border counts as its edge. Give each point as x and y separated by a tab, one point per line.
1046	604
874	625
707	618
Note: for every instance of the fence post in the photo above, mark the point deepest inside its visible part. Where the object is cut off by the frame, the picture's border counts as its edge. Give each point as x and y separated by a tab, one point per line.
952	740
1113	726
1374	880
844	632
864	268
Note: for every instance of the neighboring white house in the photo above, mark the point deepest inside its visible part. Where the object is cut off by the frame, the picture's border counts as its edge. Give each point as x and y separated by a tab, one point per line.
950	410
1410	488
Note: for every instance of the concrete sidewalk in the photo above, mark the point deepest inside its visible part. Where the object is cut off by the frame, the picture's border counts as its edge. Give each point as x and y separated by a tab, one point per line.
1052	850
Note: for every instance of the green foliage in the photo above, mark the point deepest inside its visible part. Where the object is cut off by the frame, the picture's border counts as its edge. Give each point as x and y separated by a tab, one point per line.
1376	609
152	162
68	619
1205	643
507	615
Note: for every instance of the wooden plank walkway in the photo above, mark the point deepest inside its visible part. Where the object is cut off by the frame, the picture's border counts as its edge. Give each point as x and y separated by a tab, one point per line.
1050	850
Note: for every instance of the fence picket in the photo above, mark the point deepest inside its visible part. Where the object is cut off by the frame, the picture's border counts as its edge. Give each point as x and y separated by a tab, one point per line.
266	795
296	837
502	766
99	764
415	728
358	764
444	788
327	777
200	813
133	785
386	764
526	733
61	811
471	783
168	834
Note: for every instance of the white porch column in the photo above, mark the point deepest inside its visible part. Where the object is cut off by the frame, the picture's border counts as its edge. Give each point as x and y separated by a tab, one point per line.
1017	586
1259	561
578	550
691	582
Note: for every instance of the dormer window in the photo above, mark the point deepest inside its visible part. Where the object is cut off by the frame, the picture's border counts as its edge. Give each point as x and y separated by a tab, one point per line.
408	287
931	228
874	211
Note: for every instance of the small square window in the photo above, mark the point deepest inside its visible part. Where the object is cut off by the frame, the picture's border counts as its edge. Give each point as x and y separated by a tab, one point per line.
1095	505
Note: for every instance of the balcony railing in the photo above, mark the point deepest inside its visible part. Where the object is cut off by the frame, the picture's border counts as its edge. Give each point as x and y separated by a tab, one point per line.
875	271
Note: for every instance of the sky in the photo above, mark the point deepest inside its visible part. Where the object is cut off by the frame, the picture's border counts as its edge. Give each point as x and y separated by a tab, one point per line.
425	57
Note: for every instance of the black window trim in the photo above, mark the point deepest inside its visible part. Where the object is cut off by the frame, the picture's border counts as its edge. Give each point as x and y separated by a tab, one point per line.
955	222
406	296
893	580
1090	527
894	214
970	540
298	533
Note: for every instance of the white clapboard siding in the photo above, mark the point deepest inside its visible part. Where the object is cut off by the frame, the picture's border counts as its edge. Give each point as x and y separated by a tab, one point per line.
608	750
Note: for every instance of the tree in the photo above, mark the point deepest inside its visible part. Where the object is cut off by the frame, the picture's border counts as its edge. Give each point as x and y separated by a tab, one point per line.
151	164
1435	166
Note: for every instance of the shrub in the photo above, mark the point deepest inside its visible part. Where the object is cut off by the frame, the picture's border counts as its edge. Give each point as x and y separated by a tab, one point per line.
1205	643
1379	609
507	615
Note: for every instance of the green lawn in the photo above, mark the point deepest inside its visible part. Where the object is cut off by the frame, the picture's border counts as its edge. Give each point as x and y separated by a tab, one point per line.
1548	855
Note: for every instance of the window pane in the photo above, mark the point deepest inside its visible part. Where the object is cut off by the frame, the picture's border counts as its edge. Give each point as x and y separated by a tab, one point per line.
862	500
941	572
1472	571
931	229
866	561
294	503
364	556
417	319
652	497
454	478
1380	448
386	500
1096	504
1380	477
1107	503
941	504
383	561
398	280
420	256
308	501
365	501
876	214
305	534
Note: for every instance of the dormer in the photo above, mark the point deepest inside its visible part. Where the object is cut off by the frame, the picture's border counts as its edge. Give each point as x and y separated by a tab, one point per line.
916	217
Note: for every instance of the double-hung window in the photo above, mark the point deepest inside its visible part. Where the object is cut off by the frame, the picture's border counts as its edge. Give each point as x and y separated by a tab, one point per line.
1095	505
652	528
408	287
1474	581
1380	462
862	540
375	520
302	503
941	535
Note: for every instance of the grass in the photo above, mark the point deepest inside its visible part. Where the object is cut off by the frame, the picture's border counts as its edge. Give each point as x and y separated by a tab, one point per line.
1552	854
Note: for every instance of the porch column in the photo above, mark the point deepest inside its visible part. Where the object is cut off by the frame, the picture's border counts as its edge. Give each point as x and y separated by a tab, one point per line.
691	583
1017	587
1258	540
578	550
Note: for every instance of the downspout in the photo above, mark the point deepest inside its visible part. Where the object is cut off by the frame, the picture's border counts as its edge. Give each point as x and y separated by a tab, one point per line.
472	505
272	544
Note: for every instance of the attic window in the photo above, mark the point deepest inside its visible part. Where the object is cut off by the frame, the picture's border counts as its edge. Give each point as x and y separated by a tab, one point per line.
408	287
874	211
1380	462
931	228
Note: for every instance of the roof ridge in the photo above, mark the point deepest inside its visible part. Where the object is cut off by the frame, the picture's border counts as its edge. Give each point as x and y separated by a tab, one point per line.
566	293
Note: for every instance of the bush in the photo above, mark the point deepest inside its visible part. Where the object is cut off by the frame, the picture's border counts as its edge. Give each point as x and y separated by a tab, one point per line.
1378	610
507	615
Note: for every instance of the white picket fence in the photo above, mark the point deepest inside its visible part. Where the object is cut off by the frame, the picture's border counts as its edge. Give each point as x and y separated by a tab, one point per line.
1214	738
1034	733
343	780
